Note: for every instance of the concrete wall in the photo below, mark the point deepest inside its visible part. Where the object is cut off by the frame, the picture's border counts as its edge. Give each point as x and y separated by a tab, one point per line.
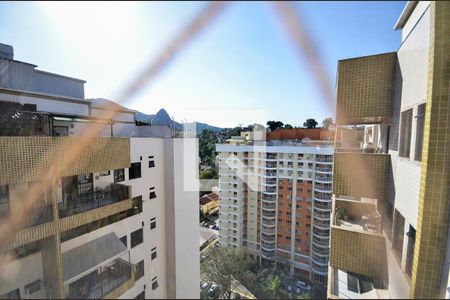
182	230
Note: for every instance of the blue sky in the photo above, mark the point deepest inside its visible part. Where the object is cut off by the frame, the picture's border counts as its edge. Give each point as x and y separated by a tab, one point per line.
242	69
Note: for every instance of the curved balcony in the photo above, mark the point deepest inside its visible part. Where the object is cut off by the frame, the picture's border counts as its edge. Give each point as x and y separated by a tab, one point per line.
322	270
323	188
324	179
268	230
321	224
321	261
321	242
269	198
269	222
321	233
268	247
320	206
322	215
269	215
267	207
324	159
268	238
324	170
321	251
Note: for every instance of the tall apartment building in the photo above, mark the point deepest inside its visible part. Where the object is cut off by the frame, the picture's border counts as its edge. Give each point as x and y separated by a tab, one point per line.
389	231
275	198
117	224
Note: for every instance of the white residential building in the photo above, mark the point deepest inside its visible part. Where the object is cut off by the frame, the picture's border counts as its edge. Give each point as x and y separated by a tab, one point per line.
120	222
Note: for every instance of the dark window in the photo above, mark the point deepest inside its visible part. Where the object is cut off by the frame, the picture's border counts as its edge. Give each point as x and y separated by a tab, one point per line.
153	223
136	238
124	240
135	170
26	250
105	173
420	125
4	200
139	270
155	284
151	163
119	175
152	195
33	287
154	253
137	204
140	296
405	133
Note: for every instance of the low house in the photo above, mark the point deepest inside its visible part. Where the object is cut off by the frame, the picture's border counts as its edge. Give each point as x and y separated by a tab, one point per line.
209	202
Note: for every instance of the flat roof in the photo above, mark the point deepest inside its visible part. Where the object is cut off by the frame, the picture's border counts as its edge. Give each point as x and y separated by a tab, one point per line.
62	76
406	13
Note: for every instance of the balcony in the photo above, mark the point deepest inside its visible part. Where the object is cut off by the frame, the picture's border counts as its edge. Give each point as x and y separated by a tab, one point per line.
39	154
361	175
36	216
322	205
322	215
323	187
324	169
324	159
358	101
324	178
87	201
107	274
357	243
322	196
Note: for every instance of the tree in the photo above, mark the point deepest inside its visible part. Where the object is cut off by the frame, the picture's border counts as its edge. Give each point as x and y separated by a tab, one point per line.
207	147
209	174
274	125
327	122
310	123
269	286
226	264
288	126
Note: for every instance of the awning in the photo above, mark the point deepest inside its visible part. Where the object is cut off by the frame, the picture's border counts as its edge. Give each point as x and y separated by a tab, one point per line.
84	259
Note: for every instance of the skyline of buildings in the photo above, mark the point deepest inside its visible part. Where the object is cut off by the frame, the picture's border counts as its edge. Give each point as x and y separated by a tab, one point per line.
96	205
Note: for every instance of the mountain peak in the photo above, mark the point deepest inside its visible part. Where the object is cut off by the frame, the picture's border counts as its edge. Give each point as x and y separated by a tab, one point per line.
162	113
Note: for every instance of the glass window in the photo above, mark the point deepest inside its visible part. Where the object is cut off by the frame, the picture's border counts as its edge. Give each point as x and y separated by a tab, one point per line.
155	284
139	270
140	296
153	223
153	253
135	170
405	133
124	240
119	175
137	238
152	195
33	287
420	125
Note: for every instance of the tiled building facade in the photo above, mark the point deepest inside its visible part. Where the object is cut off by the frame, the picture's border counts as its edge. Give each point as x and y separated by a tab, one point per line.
407	176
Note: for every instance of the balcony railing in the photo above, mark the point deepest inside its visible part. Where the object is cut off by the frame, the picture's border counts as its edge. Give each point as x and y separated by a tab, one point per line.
324	159
322	196
36	216
323	187
97	285
88	201
324	178
322	169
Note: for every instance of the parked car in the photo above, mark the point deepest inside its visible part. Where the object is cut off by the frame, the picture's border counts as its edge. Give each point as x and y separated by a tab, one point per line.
213	289
204	285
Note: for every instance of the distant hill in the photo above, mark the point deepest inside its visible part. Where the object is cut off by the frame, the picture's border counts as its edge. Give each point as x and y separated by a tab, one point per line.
163	118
